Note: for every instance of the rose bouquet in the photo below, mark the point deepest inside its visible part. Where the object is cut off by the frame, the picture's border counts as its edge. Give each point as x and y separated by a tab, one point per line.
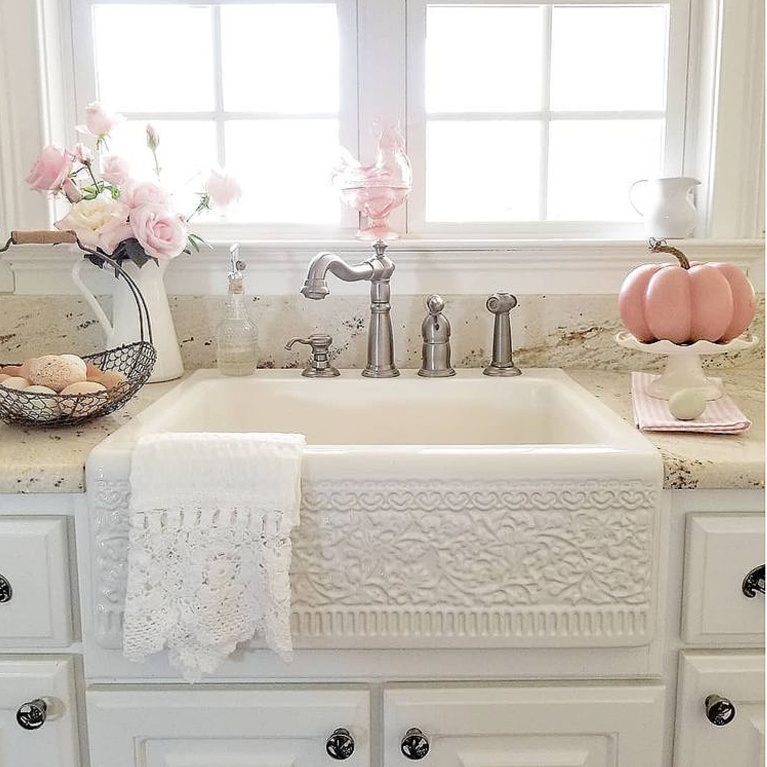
113	213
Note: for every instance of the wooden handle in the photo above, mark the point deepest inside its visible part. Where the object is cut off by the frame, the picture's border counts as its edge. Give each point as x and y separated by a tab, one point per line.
42	237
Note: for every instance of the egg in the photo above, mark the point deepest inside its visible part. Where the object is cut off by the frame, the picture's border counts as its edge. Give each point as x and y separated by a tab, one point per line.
12	370
111	378
82	407
687	404
14	382
26	366
93	372
55	372
3	376
42	408
76	361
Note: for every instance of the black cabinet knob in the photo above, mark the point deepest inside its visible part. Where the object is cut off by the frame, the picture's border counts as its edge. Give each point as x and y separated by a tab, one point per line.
32	715
6	592
415	745
753	583
340	745
719	711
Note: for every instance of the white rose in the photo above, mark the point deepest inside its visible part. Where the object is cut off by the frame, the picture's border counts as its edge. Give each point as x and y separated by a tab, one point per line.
88	217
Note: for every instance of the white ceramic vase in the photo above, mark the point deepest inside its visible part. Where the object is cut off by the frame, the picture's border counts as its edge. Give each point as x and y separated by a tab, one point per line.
666	206
124	326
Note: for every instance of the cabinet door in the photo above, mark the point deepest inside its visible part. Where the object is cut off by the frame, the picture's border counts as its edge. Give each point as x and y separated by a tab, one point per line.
225	728
54	744
737	677
529	726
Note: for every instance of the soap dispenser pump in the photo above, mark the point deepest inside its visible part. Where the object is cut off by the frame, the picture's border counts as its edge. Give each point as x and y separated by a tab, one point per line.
236	335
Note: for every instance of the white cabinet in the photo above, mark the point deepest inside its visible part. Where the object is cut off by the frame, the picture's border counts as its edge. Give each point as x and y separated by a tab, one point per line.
54	743
737	677
35	605
545	725
192	727
721	550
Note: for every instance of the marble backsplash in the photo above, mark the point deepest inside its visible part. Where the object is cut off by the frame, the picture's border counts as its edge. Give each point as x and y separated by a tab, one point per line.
569	331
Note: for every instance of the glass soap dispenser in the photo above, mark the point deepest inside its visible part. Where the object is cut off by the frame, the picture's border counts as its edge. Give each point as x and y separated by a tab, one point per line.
236	335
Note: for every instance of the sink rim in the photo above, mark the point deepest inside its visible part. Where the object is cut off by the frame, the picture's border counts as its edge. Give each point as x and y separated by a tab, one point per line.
621	437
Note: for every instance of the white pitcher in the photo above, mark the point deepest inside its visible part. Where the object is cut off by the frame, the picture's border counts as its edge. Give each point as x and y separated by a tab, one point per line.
667	207
124	326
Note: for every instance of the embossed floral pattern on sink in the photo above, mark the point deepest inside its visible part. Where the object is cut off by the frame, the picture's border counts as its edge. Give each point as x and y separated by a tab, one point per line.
436	513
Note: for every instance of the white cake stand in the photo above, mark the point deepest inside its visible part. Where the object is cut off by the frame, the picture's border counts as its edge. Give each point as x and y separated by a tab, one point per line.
683	368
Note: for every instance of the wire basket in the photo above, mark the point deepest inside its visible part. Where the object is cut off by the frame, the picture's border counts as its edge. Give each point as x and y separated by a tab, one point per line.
135	361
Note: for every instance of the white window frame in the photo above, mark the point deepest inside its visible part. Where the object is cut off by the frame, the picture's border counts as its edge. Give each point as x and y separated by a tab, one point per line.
674	115
348	114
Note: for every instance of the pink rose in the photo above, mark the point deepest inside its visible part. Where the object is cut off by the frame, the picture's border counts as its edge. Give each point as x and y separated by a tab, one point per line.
222	188
82	153
160	232
115	170
98	121
138	193
71	191
50	170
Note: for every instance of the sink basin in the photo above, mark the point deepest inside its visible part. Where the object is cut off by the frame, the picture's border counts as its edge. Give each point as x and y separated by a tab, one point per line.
467	511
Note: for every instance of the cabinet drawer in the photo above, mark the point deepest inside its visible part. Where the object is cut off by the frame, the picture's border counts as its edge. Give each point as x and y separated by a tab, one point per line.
721	550
738	678
227	728
55	742
35	611
526	725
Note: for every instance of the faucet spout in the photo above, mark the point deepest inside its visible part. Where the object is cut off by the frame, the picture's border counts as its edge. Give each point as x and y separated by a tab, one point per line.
377	271
316	286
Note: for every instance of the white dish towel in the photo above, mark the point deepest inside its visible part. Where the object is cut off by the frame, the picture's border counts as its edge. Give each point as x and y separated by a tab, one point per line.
210	550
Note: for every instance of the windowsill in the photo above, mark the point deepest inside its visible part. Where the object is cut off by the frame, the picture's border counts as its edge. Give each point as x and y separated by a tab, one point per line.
450	266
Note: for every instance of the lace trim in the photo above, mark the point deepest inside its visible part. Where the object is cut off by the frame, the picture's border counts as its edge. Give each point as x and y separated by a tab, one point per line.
202	580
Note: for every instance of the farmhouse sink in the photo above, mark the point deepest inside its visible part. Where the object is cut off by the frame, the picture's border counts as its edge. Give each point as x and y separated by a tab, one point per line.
467	511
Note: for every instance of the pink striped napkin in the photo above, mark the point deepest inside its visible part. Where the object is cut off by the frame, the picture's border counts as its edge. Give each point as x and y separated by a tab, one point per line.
721	416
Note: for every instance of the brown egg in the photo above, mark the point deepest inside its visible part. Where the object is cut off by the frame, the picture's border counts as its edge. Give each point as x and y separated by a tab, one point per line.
55	372
26	367
112	378
82	407
92	372
12	370
3	376
14	382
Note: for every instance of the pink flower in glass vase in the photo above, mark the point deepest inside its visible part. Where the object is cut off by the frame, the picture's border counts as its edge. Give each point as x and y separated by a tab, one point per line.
138	193
99	121
222	188
161	233
50	170
115	169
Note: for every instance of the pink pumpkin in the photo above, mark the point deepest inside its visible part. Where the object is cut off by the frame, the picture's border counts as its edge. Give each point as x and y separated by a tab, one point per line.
687	302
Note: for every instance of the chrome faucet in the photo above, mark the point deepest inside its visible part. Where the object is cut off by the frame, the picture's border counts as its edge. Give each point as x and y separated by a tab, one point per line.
378	271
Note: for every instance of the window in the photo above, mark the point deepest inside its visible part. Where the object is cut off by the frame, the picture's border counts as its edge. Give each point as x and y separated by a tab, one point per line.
523	118
537	117
258	87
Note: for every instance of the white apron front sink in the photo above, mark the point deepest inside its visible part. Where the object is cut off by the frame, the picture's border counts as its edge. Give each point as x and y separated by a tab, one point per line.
468	511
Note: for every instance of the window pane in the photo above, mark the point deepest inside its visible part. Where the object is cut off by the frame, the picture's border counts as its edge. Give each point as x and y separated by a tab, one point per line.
285	167
609	57
592	164
482	171
187	151
280	58
483	59
154	57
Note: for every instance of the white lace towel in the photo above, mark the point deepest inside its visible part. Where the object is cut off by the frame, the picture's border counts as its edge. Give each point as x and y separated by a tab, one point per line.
209	555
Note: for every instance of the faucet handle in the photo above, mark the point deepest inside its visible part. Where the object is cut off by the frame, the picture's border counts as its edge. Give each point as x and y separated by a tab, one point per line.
501	302
320	366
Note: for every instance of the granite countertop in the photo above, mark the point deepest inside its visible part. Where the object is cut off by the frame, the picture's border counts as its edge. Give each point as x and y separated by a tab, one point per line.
53	460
